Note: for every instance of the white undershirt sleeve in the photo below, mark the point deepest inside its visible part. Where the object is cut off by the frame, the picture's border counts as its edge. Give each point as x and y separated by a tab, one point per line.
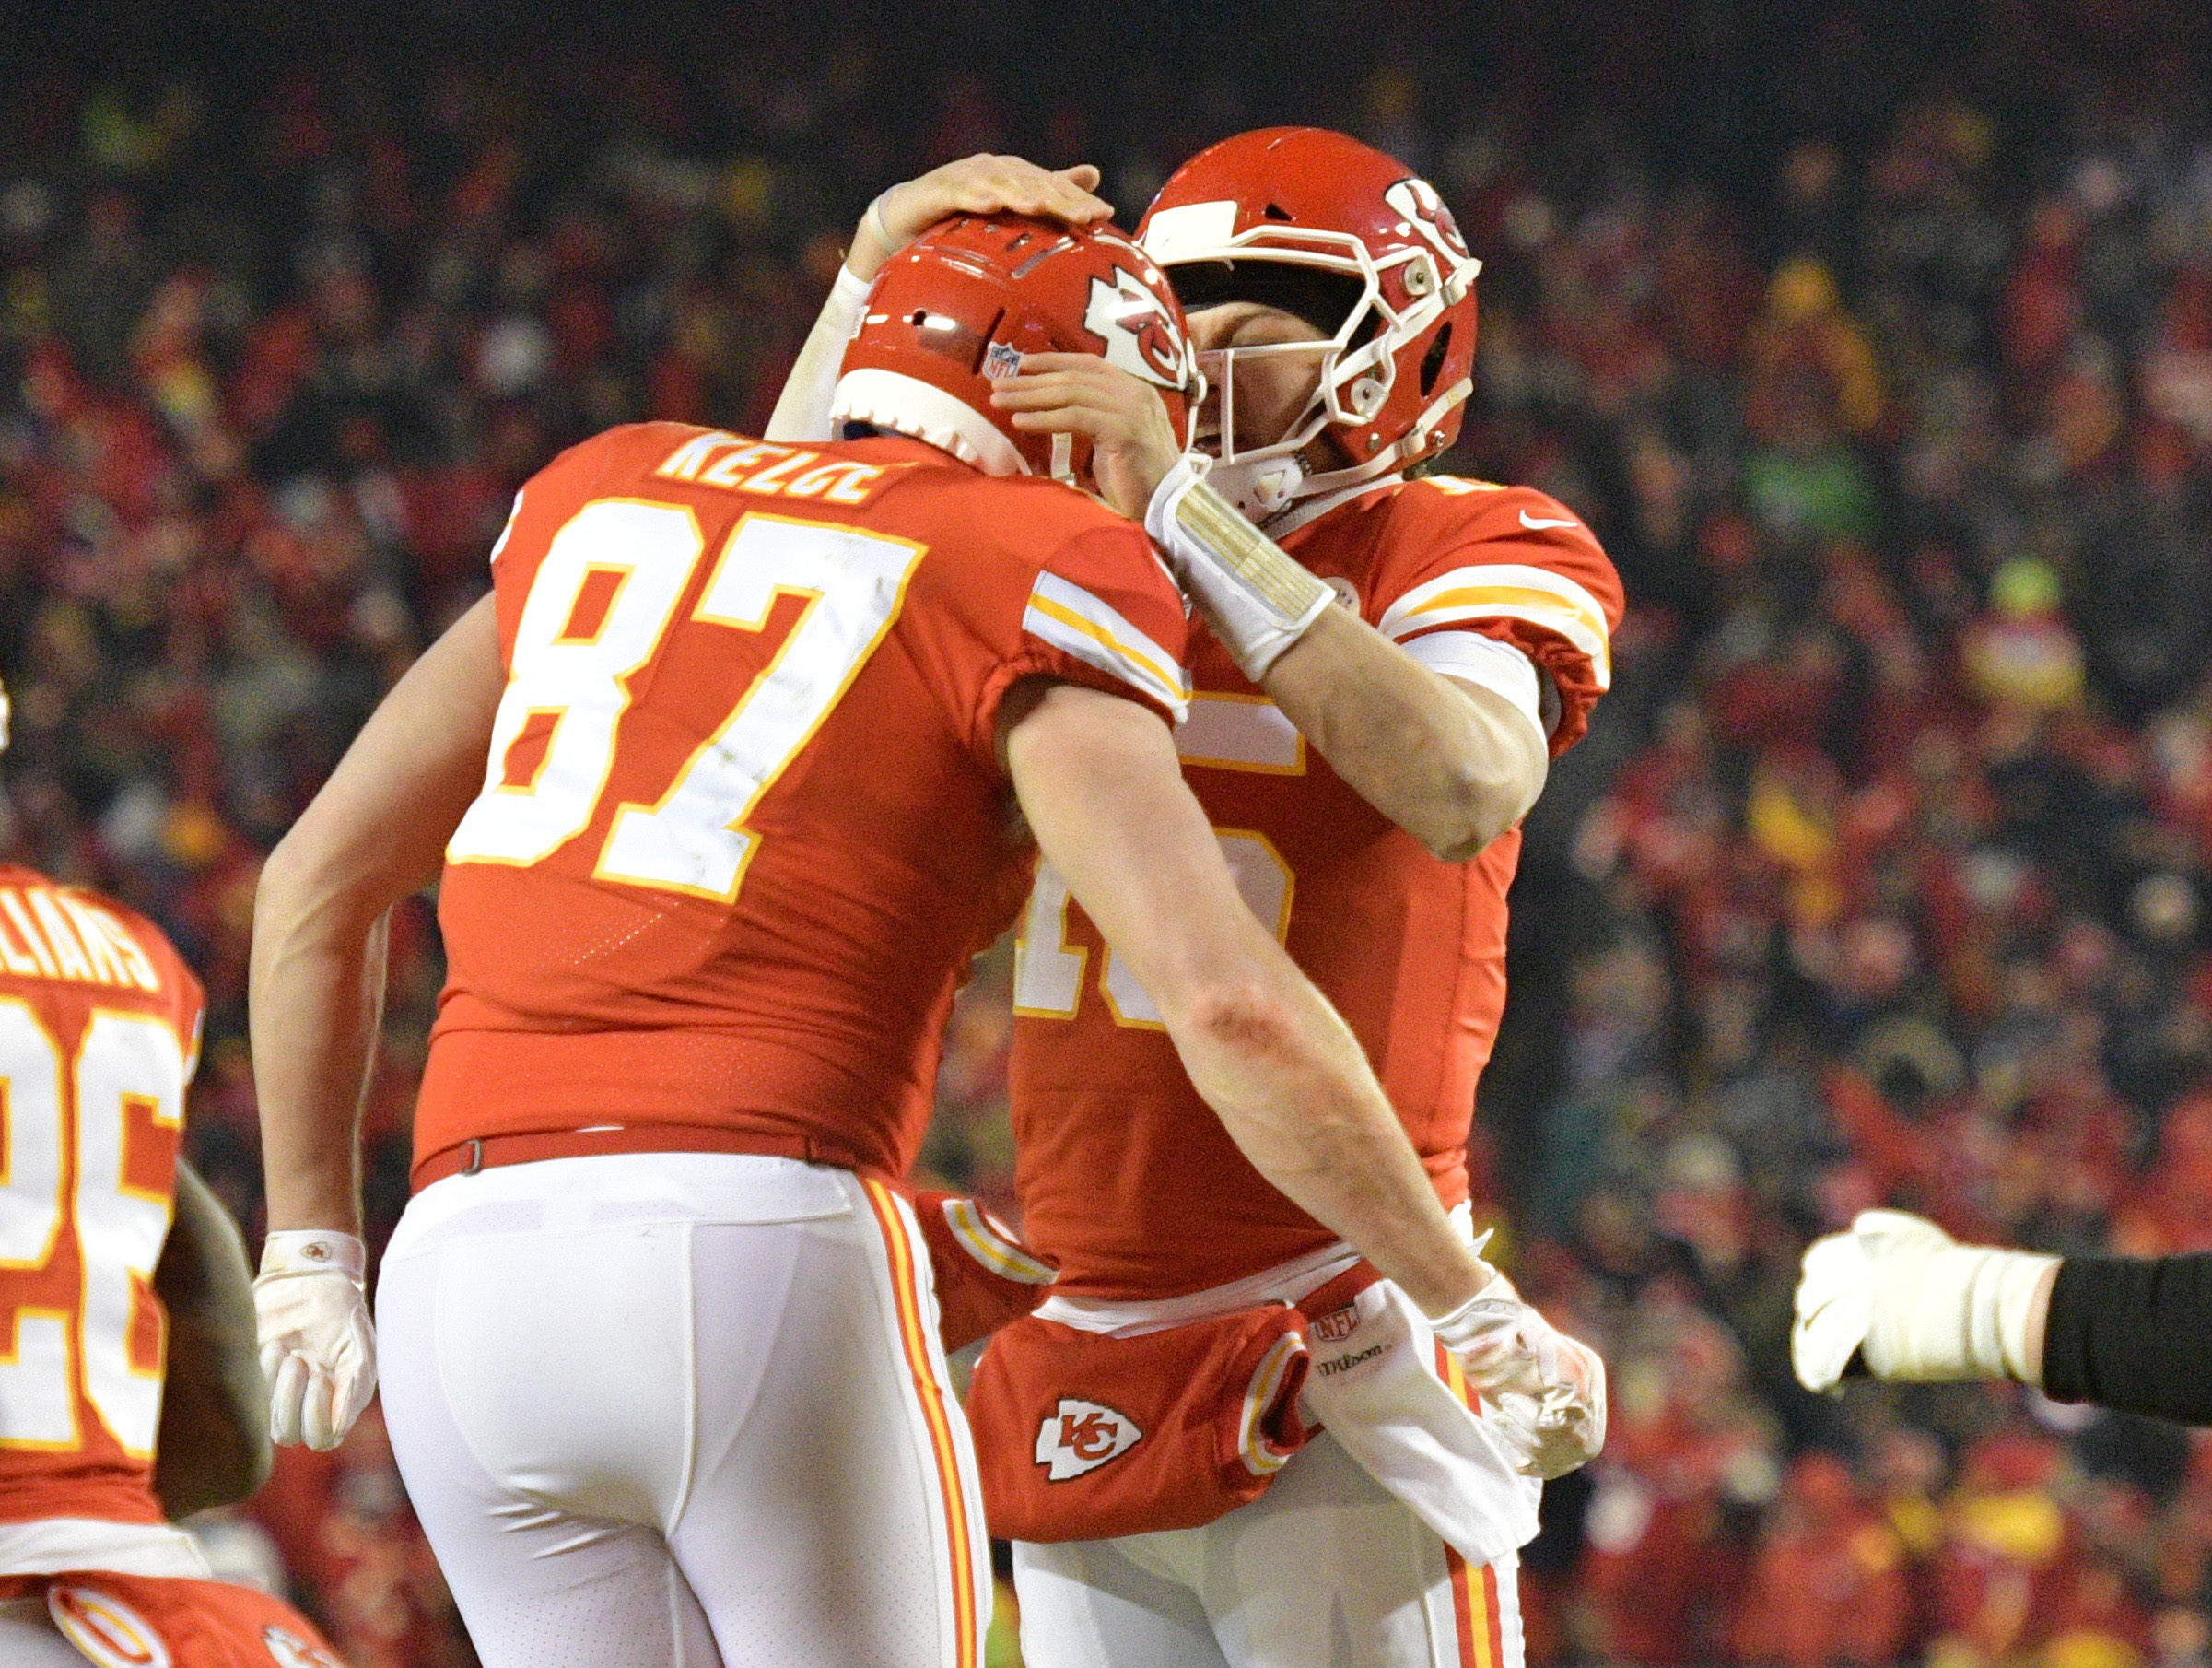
1491	664
803	410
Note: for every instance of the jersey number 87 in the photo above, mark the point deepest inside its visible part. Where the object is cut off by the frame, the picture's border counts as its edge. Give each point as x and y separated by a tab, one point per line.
568	683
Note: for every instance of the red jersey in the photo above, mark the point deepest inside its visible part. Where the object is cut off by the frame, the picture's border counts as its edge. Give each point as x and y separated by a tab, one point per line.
1127	1179
100	1029
743	823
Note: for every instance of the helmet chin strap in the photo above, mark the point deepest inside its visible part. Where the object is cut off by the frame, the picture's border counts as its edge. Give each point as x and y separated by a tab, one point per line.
1260	487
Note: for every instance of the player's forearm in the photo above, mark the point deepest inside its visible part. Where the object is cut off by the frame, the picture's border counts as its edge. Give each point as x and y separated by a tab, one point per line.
318	1001
1288	1080
803	410
1451	768
374	834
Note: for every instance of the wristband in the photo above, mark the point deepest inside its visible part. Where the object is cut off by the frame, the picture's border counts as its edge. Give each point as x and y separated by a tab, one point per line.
1961	1313
314	1250
1258	600
1478	1316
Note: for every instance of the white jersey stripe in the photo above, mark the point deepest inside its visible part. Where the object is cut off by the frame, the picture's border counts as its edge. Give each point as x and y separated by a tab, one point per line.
1077	623
1507	591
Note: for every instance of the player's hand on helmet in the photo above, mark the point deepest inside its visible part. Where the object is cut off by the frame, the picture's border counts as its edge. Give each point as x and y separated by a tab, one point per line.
980	185
318	1348
1133	444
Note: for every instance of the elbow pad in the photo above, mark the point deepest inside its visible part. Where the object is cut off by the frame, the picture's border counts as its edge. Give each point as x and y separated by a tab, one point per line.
1258	600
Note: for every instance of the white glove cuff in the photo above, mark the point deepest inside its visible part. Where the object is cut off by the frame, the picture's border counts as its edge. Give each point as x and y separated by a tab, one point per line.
1492	1315
1965	1316
1258	600
314	1250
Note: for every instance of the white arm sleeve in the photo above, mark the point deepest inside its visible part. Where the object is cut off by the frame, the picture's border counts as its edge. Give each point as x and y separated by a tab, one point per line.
803	410
1474	659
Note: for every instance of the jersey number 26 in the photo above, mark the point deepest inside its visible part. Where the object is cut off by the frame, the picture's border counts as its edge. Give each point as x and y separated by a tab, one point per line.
126	1063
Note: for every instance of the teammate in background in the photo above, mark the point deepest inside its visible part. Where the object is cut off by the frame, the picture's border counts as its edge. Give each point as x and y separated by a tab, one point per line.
130	1395
1901	1299
759	717
1364	769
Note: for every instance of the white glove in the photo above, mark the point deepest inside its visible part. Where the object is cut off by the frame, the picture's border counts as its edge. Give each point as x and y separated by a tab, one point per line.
1564	1427
1258	600
1914	1304
318	1349
1548	1389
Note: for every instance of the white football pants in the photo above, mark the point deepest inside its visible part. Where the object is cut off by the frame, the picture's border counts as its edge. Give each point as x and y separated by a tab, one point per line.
676	1410
1326	1570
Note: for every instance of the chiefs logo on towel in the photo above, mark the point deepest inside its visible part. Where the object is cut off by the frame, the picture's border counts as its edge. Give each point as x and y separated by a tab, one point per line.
1078	1437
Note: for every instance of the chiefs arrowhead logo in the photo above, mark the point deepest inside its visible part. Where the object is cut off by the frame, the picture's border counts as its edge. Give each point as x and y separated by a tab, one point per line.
106	1629
1081	1436
1140	337
1417	200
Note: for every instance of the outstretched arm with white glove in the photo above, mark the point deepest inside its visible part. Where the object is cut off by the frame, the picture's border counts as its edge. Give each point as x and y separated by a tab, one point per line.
1910	1304
1914	1306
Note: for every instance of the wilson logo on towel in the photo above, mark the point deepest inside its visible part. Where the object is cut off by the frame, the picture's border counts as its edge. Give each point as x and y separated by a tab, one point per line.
1078	1437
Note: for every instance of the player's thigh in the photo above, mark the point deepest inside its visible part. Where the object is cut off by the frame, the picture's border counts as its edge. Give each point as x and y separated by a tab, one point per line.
529	1511
1328	1569
1090	1605
839	1521
29	1640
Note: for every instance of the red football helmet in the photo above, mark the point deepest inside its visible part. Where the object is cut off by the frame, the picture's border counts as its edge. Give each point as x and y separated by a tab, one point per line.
968	298
1281	213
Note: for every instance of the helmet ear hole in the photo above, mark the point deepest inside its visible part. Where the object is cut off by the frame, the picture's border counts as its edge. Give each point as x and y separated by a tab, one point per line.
1431	362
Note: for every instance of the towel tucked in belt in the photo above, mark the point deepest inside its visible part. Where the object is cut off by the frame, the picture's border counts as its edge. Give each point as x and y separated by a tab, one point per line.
1090	1431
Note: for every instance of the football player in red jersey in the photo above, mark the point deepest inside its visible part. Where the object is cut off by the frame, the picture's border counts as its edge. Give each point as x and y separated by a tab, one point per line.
725	779
1365	769
129	1394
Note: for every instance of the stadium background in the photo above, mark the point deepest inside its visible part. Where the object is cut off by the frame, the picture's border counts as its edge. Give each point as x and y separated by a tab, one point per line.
1874	339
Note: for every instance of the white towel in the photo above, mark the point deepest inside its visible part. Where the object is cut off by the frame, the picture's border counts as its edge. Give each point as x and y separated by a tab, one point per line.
1374	1384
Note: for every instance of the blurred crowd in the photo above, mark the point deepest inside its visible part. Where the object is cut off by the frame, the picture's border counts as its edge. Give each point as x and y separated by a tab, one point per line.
1883	875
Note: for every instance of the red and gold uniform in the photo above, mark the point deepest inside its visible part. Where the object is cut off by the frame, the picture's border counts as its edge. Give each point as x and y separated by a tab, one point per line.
657	1334
759	936
1128	1181
100	1025
99	1034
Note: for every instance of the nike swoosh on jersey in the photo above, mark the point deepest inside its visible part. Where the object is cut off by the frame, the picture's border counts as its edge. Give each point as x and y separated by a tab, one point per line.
1537	524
